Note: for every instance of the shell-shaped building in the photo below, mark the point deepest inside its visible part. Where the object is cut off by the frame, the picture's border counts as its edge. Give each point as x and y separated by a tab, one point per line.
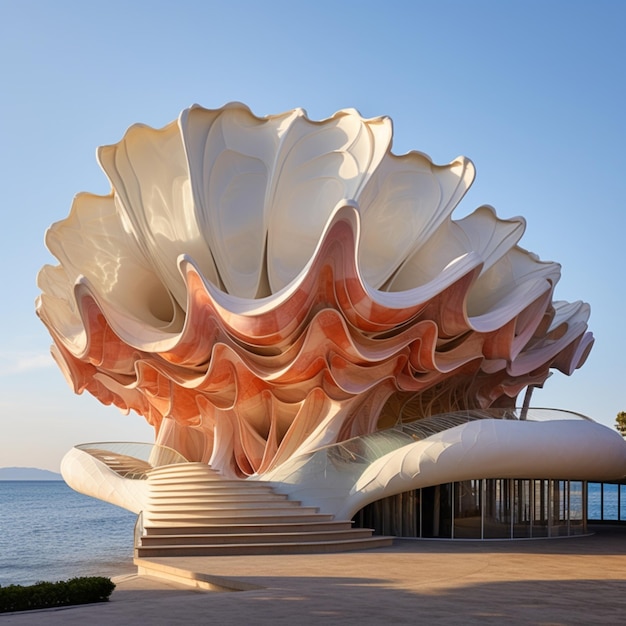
293	306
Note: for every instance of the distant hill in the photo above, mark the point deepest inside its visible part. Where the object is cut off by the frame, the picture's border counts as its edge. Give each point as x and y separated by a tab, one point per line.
27	473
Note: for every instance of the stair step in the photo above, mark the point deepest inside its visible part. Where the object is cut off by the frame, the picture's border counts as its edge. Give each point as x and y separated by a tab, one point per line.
184	483
209	506
185	468
225	520
232	510
212	488
217	529
303	547
173	479
157	499
247	538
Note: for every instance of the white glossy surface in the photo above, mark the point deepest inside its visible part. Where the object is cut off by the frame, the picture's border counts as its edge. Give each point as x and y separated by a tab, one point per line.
85	474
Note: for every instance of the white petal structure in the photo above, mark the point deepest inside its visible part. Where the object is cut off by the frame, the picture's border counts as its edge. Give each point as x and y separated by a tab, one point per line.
259	287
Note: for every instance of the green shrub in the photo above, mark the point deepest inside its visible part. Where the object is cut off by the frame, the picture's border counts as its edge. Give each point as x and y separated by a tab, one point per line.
45	595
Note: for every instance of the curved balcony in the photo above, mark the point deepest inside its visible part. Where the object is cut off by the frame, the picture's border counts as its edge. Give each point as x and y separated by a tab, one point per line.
132	459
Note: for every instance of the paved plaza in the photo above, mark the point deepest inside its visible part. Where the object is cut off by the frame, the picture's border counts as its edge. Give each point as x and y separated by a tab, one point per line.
548	582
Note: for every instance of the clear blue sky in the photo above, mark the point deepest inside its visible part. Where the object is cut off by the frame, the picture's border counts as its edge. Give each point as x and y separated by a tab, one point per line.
532	91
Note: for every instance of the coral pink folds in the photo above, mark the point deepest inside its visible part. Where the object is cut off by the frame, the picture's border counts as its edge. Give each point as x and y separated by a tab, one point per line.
261	286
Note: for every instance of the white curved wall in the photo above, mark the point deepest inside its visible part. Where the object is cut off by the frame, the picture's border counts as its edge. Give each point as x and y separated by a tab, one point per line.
561	449
85	474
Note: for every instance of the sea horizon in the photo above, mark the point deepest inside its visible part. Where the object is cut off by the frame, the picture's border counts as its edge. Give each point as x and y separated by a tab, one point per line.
49	532
18	473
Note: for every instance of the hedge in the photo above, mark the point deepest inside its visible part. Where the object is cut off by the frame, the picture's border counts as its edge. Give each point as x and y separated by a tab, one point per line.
46	595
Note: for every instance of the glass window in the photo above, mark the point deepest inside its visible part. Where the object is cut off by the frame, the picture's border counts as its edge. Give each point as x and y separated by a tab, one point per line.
467	513
560	508
437	511
594	501
493	509
541	508
577	522
609	511
522	508
497	522
411	513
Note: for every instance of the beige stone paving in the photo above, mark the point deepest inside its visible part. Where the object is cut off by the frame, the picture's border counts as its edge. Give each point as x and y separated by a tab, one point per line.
543	582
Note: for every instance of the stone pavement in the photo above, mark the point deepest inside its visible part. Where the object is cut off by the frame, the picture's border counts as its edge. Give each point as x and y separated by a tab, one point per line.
544	582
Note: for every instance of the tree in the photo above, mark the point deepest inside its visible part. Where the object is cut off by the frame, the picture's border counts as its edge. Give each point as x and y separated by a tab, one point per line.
620	423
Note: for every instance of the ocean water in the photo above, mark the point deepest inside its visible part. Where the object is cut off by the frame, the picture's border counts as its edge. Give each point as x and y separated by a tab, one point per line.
50	532
603	501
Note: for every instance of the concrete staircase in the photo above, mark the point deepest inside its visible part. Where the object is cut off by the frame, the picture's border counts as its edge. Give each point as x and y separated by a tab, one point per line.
194	511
